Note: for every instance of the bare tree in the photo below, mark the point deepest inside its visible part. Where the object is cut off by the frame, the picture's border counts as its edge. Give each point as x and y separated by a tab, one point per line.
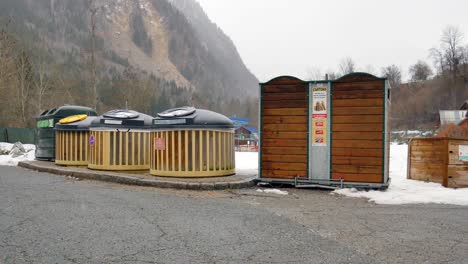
464	62
42	82
7	76
451	41
347	66
93	10
393	74
62	86
7	58
25	84
438	58
370	69
314	73
449	55
331	75
449	59
420	71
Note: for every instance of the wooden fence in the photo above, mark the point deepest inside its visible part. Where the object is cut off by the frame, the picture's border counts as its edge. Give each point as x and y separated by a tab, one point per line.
438	160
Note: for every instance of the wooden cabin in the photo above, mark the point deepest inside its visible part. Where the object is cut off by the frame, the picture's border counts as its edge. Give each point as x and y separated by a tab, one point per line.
327	133
464	105
246	139
440	160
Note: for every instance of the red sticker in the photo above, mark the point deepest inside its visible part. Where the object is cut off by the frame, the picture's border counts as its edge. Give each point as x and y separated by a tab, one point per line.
319	132
319	124
319	116
159	144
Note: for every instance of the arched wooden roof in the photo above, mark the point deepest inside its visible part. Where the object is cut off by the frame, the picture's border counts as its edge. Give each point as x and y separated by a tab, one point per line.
358	77
285	79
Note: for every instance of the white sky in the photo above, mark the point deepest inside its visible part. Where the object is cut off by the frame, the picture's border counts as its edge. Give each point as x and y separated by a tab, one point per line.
293	37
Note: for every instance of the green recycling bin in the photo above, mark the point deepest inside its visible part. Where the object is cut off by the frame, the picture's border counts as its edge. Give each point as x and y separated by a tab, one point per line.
44	132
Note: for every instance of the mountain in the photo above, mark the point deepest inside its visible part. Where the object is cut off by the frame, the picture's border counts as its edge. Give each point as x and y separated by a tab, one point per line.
217	43
172	43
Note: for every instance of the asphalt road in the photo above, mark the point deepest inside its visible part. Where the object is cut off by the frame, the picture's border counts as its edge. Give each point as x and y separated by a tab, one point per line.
52	219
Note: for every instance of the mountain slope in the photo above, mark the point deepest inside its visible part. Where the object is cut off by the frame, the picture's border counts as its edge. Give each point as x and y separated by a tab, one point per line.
170	40
217	43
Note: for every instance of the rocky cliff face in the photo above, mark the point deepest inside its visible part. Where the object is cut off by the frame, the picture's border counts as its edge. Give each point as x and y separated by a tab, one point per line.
172	40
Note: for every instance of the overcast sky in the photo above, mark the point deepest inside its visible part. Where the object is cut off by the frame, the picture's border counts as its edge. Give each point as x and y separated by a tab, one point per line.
295	37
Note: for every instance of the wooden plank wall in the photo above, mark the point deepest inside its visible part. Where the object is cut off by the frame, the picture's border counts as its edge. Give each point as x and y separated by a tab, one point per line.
357	129
193	153
284	128
457	172
436	160
428	159
71	148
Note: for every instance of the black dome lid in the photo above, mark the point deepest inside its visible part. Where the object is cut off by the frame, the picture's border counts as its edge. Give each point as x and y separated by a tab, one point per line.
82	125
123	118
190	117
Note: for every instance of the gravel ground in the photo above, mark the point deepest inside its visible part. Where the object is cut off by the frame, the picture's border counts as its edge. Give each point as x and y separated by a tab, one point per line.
52	219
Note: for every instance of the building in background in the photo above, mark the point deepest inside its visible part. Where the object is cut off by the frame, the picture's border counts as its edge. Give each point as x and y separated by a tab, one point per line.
453	116
464	106
245	137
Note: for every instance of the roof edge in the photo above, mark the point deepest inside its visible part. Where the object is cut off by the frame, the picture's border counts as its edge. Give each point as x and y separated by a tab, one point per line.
283	76
359	73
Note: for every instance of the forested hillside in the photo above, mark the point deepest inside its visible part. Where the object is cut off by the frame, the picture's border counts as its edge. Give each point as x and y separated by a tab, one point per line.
151	54
416	104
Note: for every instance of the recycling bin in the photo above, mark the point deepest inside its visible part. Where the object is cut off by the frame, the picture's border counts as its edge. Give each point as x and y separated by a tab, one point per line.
328	133
189	142
71	140
44	133
119	141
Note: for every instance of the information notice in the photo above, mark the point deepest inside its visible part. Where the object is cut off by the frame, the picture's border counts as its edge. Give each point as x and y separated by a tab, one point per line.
319	116
463	153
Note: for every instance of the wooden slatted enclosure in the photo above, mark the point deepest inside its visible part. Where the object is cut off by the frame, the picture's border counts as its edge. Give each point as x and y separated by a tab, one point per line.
119	150
359	149
438	160
71	140
71	148
192	153
284	128
325	133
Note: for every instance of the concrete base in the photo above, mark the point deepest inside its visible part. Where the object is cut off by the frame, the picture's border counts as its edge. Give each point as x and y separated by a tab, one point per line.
144	179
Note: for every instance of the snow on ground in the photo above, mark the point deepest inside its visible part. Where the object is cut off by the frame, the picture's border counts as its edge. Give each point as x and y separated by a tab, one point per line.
273	191
247	163
404	191
8	160
401	190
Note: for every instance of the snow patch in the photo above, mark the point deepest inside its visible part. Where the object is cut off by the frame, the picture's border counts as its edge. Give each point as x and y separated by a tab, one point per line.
247	163
405	191
8	160
400	191
273	191
73	178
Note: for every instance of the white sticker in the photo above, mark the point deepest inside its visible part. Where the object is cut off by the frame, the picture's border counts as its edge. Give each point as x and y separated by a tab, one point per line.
112	122
170	122
463	153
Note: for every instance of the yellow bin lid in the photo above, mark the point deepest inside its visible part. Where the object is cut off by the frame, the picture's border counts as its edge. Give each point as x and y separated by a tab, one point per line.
72	119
